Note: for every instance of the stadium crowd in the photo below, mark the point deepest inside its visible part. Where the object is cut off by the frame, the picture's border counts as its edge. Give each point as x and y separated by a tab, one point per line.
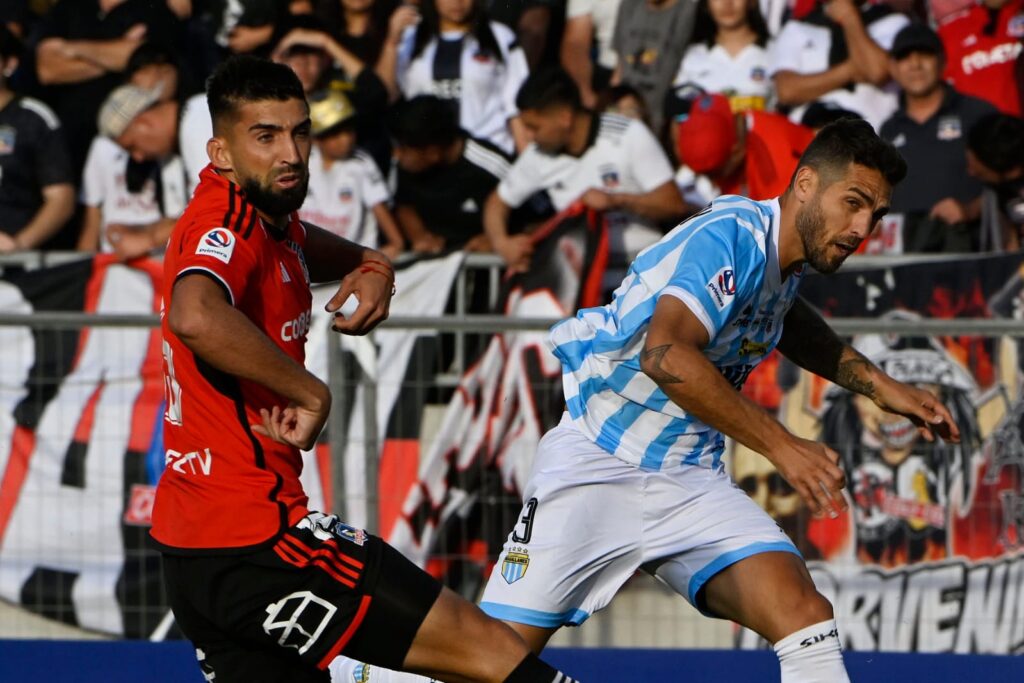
463	124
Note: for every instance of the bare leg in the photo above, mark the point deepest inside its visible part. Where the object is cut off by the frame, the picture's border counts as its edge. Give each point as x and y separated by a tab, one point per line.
535	637
770	593
458	643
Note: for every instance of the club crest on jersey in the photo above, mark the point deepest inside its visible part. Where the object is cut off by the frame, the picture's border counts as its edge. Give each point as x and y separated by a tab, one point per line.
345	194
361	674
949	128
218	243
514	566
350	534
1015	27
722	287
610	177
8	134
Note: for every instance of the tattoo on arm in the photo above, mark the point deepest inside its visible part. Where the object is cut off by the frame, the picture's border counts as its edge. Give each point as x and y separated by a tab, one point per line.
808	341
852	373
650	361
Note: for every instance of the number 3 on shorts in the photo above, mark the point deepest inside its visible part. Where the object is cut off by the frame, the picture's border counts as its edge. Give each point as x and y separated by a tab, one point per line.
527	521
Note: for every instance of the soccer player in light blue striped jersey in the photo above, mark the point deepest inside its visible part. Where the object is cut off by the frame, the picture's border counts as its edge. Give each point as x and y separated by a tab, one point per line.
633	476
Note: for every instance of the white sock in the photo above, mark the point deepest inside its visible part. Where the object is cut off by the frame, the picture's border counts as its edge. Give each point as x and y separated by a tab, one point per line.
812	655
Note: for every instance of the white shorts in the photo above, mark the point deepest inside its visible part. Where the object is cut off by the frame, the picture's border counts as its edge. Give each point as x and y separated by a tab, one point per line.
591	520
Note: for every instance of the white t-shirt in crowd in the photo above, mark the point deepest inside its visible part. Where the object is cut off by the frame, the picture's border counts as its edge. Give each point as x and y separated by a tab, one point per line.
194	130
485	87
804	48
716	71
104	186
602	15
341	197
624	156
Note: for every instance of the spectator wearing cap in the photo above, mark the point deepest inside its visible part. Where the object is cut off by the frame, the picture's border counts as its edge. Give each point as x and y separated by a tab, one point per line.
37	194
752	153
837	53
131	204
729	53
444	177
607	162
589	27
936	208
995	156
347	194
82	49
651	37
983	44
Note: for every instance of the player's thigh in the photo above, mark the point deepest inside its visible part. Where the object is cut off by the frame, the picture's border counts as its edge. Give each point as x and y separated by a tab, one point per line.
770	593
707	534
221	654
577	539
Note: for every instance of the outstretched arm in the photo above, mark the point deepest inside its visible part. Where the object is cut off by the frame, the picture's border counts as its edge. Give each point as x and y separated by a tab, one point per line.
808	341
367	273
673	357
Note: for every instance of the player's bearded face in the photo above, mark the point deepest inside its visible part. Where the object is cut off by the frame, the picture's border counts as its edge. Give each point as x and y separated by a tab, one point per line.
280	192
810	224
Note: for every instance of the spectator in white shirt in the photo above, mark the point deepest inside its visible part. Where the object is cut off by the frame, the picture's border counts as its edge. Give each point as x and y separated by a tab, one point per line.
608	162
838	54
347	194
133	185
729	53
589	27
457	54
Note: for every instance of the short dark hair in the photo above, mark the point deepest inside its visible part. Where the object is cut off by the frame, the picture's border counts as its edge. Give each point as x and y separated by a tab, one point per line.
548	87
243	79
998	141
425	121
852	141
10	45
150	54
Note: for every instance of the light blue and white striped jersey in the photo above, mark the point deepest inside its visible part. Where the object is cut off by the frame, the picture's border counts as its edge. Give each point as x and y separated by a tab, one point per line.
723	264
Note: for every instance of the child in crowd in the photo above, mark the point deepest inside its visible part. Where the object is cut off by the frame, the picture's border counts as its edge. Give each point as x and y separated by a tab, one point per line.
347	194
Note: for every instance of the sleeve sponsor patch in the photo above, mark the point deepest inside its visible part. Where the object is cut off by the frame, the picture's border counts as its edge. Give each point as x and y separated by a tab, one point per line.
218	243
722	287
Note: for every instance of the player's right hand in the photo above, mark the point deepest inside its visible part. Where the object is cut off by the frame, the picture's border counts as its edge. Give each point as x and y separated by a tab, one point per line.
812	468
294	426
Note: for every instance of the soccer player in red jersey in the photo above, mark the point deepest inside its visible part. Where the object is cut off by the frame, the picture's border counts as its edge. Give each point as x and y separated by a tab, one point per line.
265	588
982	45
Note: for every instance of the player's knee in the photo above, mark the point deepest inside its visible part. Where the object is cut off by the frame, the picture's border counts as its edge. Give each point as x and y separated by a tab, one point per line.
812	608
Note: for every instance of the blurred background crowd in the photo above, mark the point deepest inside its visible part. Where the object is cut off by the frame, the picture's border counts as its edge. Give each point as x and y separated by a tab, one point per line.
464	124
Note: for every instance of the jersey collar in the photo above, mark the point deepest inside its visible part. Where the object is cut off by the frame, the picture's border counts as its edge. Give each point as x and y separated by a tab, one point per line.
774	274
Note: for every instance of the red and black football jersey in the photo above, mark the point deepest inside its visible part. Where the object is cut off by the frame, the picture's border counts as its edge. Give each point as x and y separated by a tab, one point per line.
223	486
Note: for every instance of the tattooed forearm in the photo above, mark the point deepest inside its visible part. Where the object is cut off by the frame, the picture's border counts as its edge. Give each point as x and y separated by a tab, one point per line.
650	361
854	373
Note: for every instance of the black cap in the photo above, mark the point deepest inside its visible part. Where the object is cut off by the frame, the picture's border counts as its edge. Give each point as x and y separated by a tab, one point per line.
917	37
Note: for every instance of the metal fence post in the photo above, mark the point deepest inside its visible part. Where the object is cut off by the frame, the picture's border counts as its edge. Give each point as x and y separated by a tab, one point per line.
337	422
371	448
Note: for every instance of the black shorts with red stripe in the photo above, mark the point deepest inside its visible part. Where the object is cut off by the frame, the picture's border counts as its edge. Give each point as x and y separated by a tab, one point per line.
284	612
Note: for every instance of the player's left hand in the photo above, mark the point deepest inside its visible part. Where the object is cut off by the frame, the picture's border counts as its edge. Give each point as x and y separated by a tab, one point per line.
926	411
373	283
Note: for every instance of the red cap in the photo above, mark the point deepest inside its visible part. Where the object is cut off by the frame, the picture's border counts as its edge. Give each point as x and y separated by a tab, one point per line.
707	135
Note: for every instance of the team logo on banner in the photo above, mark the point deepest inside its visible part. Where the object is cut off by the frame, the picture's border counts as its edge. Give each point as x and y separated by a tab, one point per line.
514	566
218	243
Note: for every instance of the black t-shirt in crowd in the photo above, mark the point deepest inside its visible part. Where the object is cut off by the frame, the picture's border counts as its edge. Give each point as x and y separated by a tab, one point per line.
77	104
450	199
33	155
